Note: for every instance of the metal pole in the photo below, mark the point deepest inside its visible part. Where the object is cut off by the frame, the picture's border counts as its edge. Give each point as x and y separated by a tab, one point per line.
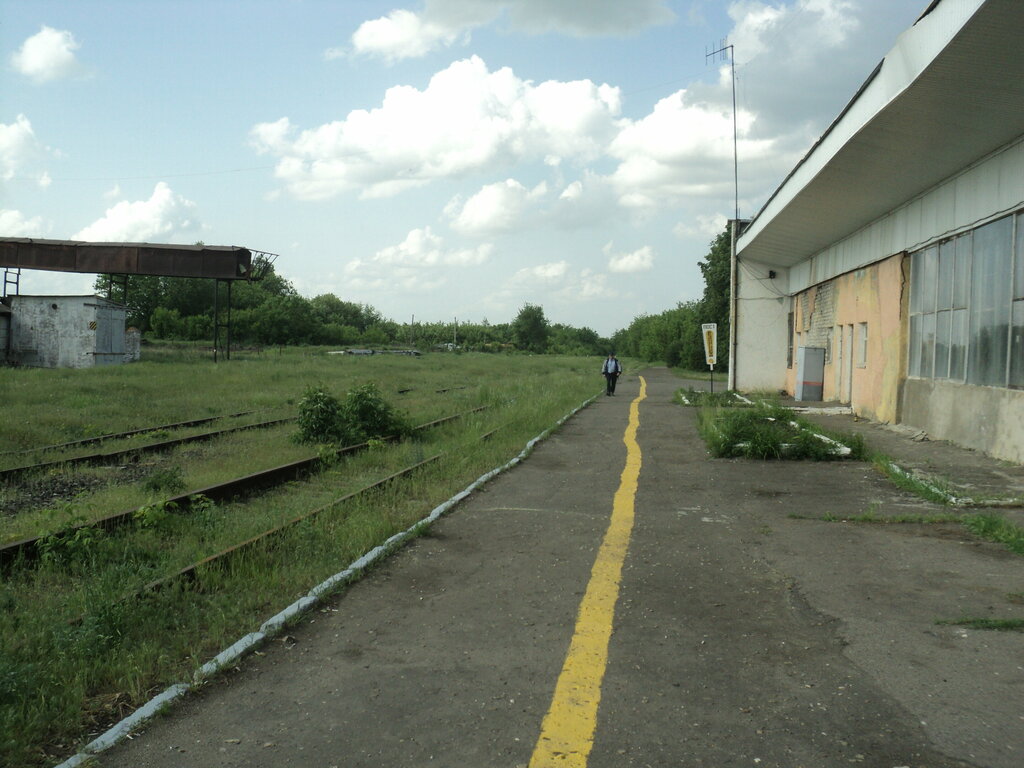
733	302
735	158
216	317
227	355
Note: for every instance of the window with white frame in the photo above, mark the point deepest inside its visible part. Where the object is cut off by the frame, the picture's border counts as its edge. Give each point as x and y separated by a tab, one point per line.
967	307
862	345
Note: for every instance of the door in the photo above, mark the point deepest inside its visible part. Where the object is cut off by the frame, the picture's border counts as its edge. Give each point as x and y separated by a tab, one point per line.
846	363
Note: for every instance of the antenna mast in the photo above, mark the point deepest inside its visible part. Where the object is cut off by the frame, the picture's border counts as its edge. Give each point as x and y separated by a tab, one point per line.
722	48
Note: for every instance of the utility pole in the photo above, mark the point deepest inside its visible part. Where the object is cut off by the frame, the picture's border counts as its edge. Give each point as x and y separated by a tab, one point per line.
735	161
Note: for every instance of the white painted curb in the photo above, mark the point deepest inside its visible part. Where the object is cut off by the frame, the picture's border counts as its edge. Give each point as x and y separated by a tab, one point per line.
303	605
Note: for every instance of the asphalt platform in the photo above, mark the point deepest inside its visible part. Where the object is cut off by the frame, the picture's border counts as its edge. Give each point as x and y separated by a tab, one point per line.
747	630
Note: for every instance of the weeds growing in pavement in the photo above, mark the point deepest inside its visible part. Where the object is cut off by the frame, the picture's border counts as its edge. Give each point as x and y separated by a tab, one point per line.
998	625
767	431
932	489
990	527
700	399
996	528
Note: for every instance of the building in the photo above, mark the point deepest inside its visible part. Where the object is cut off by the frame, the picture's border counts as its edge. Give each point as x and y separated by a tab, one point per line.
68	332
896	245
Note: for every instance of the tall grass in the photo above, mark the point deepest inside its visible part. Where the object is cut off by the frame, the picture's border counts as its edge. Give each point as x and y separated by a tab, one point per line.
77	649
767	431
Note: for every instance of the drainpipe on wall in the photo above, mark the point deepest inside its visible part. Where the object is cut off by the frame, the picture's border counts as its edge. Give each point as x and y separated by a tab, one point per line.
733	272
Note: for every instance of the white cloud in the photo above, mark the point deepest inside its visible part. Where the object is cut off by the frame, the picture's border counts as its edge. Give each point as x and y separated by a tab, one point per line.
702	225
415	265
495	208
823	24
404	34
640	260
546	273
466	120
572	192
591	286
165	215
14	224
47	55
422	247
19	147
681	149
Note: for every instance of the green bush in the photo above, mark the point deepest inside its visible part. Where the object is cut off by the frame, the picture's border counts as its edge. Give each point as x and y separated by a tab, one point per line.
319	417
363	415
768	432
366	414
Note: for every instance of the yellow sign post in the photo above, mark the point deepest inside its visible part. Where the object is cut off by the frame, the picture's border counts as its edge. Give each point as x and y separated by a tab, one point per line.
710	333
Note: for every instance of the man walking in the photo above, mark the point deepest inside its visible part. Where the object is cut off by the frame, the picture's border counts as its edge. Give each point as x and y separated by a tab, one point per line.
611	370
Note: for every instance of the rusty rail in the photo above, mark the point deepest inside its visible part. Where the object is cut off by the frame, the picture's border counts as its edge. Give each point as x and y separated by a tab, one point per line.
130	433
115	456
190	571
27	549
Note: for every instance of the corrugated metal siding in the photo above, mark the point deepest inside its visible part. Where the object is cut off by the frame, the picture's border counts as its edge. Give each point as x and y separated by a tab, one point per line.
987	190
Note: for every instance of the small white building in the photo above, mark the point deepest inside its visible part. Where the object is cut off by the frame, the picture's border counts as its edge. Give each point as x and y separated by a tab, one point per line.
68	332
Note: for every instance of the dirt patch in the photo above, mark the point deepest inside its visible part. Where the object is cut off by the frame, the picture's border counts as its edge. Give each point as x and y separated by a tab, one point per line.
54	490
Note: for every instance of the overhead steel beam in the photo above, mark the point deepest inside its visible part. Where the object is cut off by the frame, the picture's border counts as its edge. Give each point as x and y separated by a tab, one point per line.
220	262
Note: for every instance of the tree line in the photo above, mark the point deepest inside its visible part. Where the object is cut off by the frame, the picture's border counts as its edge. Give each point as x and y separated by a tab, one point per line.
271	312
674	336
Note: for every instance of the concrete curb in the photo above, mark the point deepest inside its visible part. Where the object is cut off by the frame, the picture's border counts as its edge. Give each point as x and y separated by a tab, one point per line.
274	625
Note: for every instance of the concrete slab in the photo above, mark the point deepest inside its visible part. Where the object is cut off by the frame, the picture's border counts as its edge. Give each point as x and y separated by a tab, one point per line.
742	636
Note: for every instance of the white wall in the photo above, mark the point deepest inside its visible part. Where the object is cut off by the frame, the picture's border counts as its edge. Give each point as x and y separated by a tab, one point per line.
762	308
64	331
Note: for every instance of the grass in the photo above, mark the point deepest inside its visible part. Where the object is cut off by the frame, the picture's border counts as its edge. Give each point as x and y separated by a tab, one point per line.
75	654
699	398
874	517
998	529
990	527
931	489
769	431
998	625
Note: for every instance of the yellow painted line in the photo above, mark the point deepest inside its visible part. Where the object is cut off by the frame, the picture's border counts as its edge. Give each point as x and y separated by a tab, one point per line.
567	734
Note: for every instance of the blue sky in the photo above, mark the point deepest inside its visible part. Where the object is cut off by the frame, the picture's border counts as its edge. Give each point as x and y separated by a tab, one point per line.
433	158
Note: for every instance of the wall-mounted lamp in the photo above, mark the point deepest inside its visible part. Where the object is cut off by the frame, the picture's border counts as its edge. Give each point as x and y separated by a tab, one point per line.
771	274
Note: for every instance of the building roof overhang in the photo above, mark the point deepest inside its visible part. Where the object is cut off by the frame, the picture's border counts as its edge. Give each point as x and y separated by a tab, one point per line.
949	93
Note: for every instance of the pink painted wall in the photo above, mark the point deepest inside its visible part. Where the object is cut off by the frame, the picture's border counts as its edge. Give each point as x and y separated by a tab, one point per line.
873	295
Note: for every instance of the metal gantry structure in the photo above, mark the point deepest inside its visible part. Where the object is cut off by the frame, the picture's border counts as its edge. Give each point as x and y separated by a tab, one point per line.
120	261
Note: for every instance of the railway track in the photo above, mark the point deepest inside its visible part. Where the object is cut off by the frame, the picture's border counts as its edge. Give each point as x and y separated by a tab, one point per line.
113	457
192	572
120	435
27	550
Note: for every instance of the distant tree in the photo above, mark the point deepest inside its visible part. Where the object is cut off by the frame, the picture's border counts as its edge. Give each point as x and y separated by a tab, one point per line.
530	329
284	320
166	323
567	340
714	305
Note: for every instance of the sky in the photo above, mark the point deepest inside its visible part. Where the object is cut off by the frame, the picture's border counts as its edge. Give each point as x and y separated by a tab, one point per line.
436	159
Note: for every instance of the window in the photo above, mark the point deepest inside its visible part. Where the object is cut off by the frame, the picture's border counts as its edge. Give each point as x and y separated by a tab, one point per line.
967	307
1017	319
991	291
862	345
789	335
